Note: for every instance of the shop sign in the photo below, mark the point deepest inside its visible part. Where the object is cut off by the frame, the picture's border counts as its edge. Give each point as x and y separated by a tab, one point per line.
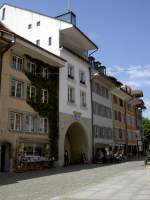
77	116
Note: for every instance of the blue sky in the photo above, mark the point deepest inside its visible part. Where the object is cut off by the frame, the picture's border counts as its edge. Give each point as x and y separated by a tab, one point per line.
121	29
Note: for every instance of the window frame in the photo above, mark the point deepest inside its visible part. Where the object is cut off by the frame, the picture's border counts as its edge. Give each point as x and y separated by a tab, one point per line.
16	64
16	82
82	77
45	98
71	94
15	121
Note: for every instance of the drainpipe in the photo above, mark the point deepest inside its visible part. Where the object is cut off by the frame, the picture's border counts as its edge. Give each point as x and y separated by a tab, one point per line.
90	71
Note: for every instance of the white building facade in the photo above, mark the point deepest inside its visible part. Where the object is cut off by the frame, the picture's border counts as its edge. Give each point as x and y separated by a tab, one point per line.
67	41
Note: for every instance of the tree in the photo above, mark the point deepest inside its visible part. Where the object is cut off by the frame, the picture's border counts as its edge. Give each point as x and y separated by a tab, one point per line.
146	125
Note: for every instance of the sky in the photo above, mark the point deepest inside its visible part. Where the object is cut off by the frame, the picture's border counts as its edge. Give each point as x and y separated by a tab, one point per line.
120	28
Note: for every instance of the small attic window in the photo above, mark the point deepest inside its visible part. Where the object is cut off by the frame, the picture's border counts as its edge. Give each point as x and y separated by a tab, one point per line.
38	23
3	13
29	26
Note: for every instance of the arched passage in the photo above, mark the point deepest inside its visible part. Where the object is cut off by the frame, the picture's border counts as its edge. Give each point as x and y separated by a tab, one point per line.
76	142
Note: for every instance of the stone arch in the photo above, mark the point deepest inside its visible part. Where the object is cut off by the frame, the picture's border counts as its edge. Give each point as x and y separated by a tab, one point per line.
76	142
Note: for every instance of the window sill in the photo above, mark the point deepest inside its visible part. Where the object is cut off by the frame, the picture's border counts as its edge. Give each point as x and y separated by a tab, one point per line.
71	104
71	80
83	85
84	107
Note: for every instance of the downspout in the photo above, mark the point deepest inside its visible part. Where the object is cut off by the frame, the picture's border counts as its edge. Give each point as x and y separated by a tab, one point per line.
93	149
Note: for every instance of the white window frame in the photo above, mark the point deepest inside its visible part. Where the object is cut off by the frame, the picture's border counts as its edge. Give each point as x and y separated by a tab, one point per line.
71	94
83	102
16	84
44	96
30	126
31	88
17	62
42	127
82	77
71	71
13	116
31	67
45	73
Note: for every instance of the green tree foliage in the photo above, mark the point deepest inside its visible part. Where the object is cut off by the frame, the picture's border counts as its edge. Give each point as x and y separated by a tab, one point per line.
146	124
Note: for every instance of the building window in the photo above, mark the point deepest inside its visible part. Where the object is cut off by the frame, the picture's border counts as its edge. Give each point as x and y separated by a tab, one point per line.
70	71
31	68
71	95
44	96
31	93
114	99
3	13
116	115
50	41
82	77
29	123
17	62
16	89
43	125
119	116
82	99
121	102
38	42
102	110
15	121
100	90
29	26
38	23
45	73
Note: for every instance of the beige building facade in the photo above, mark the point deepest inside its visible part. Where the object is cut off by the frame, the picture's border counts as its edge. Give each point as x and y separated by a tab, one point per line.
24	132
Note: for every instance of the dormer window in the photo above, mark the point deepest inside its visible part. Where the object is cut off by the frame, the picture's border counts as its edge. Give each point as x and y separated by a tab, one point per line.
82	77
38	42
3	13
50	41
29	26
70	71
38	23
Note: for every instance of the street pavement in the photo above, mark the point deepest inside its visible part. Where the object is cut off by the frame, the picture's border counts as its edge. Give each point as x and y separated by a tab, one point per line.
123	181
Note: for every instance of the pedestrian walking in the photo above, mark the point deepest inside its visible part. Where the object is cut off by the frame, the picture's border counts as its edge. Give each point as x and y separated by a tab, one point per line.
66	158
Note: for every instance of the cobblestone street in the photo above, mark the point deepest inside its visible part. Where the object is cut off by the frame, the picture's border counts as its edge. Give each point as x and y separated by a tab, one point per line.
129	180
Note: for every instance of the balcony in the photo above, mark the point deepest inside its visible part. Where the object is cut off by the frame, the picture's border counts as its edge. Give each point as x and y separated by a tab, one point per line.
6	40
